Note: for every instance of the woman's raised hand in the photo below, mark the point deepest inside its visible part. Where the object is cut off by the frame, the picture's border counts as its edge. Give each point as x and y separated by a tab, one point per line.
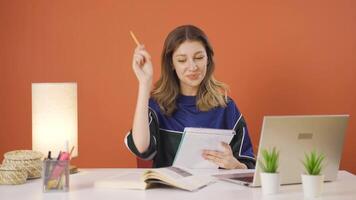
142	66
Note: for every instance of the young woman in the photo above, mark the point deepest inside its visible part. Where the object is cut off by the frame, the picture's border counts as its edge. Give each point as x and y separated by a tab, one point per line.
186	95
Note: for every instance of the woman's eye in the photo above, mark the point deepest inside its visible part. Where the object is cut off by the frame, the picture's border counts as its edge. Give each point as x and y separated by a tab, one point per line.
199	58
181	61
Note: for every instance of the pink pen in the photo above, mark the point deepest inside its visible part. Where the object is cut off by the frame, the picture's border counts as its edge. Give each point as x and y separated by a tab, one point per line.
59	167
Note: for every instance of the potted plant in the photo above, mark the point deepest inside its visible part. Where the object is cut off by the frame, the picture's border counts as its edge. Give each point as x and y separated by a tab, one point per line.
270	178
313	180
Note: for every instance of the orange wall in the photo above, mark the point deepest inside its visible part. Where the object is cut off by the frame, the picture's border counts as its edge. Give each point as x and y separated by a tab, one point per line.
279	57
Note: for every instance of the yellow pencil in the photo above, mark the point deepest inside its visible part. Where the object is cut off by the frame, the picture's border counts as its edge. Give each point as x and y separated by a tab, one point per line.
134	38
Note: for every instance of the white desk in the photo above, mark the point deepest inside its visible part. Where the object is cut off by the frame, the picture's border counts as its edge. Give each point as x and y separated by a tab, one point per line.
81	187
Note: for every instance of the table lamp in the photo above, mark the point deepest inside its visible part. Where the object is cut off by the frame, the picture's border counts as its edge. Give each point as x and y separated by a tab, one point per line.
55	118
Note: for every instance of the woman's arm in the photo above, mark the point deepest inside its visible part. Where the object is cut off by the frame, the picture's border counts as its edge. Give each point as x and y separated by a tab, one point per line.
143	69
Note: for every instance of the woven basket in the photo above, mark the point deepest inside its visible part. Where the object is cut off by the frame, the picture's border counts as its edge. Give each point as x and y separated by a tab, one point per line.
28	160
12	176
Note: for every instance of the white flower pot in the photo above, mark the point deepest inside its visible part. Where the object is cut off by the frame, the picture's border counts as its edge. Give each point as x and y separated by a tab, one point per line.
270	182
312	185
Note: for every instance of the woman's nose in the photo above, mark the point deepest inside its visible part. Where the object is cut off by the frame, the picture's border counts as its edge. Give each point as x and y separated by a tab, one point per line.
192	65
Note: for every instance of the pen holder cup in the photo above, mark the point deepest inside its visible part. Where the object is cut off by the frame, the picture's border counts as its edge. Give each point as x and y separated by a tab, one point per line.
55	175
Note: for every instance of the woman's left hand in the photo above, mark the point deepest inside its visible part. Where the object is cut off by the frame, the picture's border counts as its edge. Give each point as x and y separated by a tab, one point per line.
224	159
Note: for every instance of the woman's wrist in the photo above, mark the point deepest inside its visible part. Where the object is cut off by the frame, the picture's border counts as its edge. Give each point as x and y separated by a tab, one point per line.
145	84
145	88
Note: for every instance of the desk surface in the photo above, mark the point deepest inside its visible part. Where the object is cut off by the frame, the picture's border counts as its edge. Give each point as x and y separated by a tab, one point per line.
81	187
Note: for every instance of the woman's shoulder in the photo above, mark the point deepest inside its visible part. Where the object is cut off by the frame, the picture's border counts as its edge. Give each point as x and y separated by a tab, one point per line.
230	102
231	105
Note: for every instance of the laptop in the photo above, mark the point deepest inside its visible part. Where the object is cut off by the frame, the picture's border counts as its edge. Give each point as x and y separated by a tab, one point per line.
294	136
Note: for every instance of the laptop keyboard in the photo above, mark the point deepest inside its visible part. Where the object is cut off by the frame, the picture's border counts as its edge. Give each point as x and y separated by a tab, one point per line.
242	177
247	179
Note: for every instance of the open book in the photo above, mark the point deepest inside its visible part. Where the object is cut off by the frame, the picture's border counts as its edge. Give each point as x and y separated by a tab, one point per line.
170	176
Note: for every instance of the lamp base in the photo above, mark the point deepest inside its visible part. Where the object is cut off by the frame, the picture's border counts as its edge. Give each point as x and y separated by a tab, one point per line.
73	169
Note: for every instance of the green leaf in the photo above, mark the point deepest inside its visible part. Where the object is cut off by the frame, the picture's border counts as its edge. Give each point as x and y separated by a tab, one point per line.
313	163
269	162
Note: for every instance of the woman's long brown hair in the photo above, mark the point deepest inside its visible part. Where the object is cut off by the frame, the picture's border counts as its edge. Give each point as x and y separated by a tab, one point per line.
211	93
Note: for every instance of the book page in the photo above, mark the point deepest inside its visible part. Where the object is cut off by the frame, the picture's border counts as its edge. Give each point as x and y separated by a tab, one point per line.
194	141
131	180
177	177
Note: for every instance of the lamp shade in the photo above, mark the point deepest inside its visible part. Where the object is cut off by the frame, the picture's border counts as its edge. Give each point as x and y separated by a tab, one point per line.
54	117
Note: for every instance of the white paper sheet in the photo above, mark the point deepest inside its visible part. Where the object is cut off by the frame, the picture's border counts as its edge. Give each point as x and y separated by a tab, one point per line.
194	141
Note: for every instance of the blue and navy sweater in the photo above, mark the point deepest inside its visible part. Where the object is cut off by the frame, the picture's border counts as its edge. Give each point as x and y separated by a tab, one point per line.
166	131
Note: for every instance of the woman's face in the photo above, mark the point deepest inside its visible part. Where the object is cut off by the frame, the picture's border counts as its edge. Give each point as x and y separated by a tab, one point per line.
190	62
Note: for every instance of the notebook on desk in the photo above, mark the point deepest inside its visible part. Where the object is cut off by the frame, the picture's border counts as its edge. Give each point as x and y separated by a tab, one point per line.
294	136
